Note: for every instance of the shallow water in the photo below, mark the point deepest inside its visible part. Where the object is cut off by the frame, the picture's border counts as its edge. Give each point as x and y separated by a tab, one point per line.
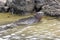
47	29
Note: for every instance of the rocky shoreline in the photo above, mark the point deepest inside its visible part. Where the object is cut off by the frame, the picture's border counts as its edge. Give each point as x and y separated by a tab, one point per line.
40	8
30	6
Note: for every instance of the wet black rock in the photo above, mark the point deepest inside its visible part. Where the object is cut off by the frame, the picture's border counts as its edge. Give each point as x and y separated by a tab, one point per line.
51	11
40	3
23	5
3	7
54	3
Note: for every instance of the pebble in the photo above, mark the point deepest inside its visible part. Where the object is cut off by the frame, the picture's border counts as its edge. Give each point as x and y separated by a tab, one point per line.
23	34
29	37
54	24
56	39
7	36
16	37
3	39
12	34
51	29
33	38
8	24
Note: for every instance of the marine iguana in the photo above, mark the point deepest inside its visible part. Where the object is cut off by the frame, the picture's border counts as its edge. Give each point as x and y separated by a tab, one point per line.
26	21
